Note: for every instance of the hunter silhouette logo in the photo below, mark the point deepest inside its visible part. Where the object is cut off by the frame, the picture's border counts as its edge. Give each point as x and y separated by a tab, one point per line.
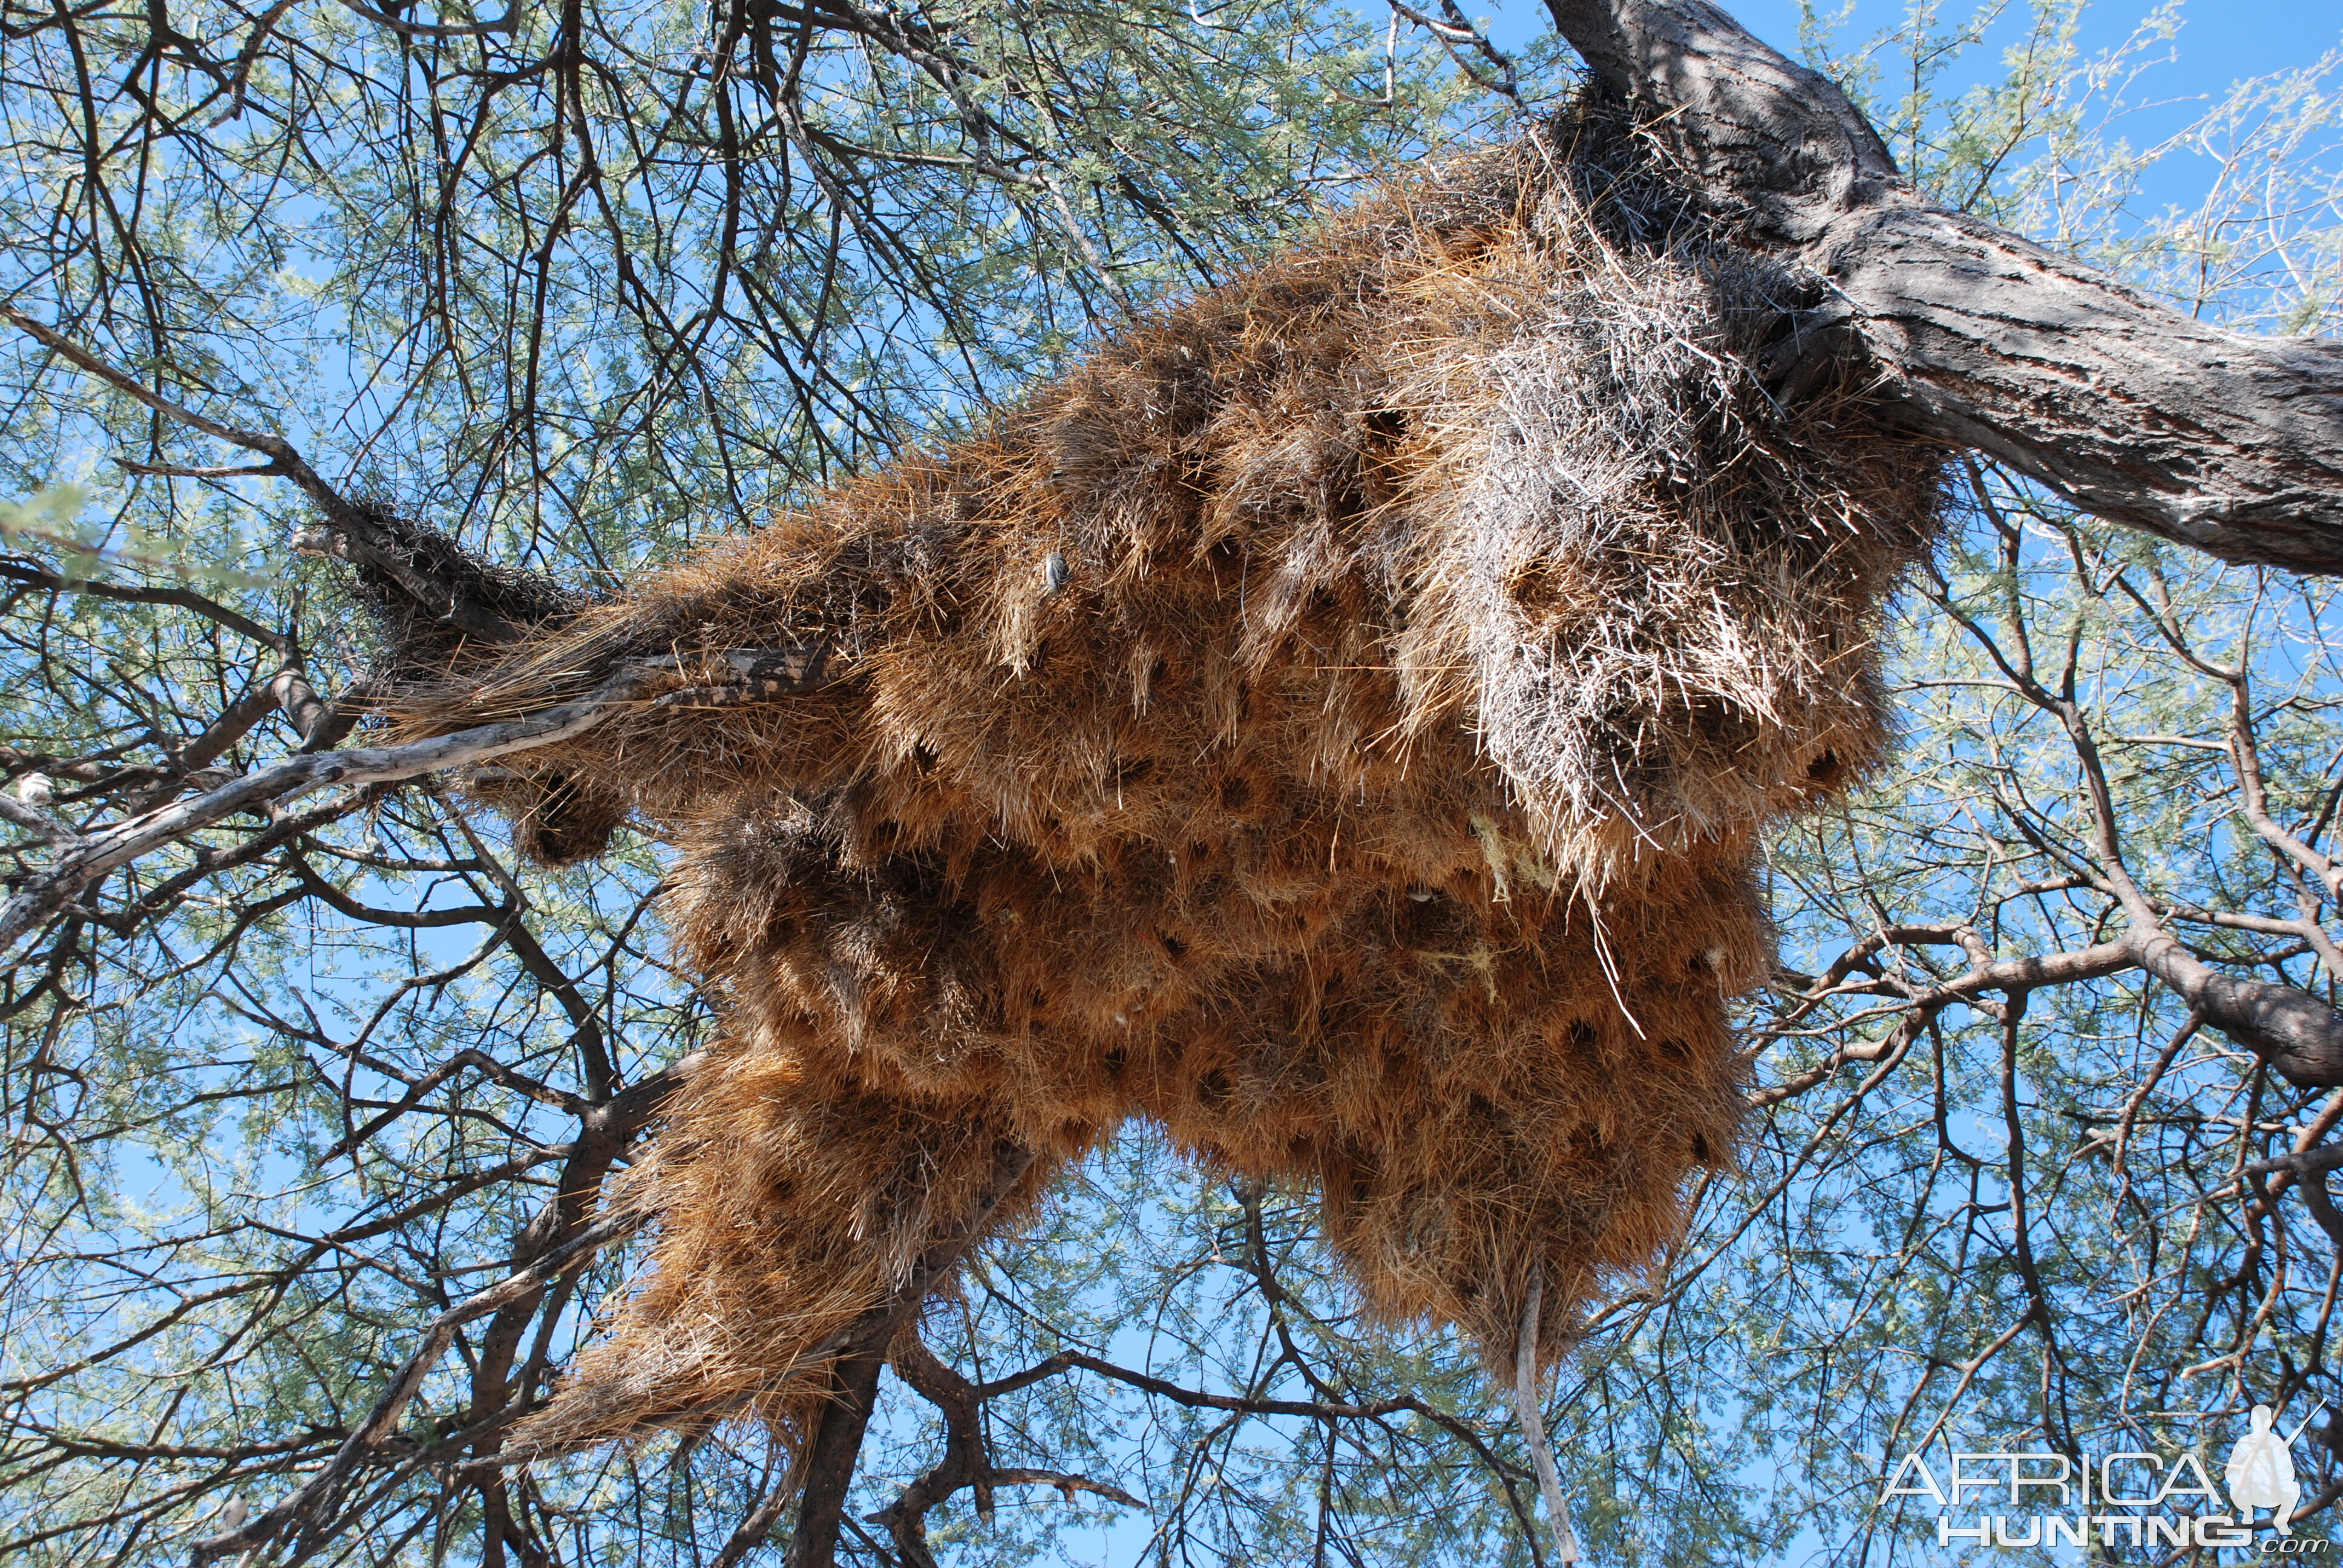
2260	1471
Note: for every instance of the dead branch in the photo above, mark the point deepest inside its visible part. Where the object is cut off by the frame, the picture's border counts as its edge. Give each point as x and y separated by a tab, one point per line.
277	785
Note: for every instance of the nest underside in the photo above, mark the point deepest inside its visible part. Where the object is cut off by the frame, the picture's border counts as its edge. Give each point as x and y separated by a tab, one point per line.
1334	722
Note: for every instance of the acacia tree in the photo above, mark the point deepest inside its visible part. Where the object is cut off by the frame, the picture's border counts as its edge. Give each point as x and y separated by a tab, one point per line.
310	1096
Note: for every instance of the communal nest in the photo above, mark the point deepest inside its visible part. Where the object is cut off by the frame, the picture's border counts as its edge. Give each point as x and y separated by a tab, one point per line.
1335	721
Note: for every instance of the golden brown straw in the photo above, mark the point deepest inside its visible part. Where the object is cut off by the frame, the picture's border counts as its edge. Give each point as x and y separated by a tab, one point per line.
1333	721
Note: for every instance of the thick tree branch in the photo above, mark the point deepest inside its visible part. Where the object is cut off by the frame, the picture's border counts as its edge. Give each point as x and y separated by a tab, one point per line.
747	675
967	1458
827	1470
2229	443
2286	1026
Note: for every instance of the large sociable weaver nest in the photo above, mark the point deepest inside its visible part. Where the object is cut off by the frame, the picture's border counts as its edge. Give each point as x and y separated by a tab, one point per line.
1335	721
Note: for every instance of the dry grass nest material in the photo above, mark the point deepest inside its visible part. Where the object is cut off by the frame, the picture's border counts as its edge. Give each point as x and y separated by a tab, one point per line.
1333	721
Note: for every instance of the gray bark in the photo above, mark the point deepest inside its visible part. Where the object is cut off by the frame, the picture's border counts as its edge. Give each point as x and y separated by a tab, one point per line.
2230	443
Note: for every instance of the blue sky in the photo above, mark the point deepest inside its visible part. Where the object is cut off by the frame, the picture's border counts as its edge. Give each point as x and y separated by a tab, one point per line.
2218	44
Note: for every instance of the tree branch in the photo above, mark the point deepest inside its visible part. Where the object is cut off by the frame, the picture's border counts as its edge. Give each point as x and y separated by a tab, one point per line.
828	1467
279	785
315	1497
446	585
2225	442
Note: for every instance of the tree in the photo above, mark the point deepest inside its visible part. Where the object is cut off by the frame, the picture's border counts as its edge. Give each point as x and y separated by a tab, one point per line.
251	1342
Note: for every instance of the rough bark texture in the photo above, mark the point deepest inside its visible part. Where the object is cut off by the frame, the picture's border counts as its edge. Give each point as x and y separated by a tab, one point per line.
827	1471
2230	443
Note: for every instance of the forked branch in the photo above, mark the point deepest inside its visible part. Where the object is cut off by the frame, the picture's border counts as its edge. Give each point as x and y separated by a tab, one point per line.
305	1508
2230	443
274	787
